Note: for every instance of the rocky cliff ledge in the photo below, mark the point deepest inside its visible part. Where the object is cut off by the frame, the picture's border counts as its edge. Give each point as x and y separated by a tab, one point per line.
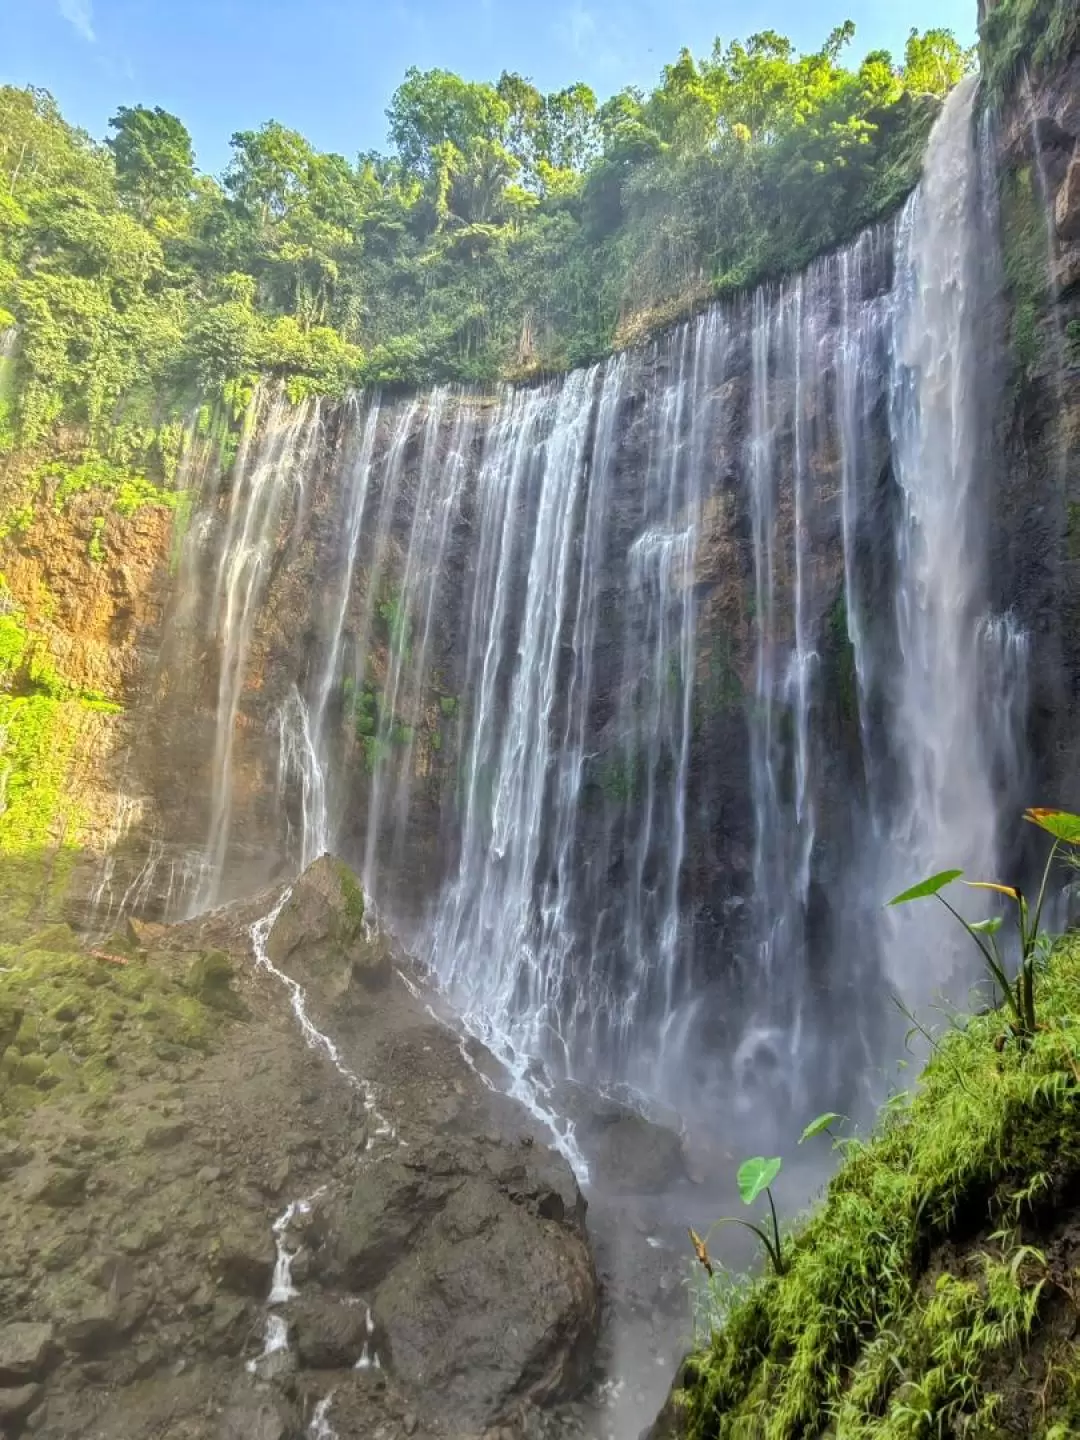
220	1222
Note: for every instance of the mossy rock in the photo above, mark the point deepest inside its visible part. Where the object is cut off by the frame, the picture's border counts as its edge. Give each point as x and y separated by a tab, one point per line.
57	939
210	979
83	1021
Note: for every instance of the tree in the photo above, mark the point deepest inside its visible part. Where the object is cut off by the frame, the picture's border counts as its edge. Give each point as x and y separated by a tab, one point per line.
155	162
435	107
269	171
934	62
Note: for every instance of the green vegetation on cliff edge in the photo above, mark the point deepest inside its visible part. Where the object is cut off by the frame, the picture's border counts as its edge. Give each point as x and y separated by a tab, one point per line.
933	1292
505	232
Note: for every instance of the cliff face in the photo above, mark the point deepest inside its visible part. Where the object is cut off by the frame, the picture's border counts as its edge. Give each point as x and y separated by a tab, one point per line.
1036	519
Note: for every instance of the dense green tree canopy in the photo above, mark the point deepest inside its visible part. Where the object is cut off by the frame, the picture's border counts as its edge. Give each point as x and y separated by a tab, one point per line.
506	230
155	163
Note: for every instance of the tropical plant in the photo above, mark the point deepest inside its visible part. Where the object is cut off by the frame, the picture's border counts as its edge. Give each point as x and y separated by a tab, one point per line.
1019	994
754	1179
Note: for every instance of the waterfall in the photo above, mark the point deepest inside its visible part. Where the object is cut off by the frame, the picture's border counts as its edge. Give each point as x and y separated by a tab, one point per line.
275	452
945	733
634	694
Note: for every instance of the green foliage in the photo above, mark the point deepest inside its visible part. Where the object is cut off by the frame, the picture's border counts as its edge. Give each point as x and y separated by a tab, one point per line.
396	626
755	1176
37	736
1019	34
353	896
1019	994
155	162
618	777
95	549
754	1179
873	1332
128	490
508	231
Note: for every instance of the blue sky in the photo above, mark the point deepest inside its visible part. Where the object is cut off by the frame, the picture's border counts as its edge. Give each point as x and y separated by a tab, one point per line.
329	67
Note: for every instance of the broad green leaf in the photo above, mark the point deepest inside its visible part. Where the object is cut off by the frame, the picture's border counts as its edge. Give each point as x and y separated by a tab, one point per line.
928	887
820	1125
1058	823
986	927
757	1175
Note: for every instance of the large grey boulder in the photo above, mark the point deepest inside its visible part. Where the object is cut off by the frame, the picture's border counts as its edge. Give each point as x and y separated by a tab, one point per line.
495	1307
479	1275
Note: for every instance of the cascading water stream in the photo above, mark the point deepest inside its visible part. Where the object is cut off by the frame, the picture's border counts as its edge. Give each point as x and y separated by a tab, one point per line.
275	451
946	812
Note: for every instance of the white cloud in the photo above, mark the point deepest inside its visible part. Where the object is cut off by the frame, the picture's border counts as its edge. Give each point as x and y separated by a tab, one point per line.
80	16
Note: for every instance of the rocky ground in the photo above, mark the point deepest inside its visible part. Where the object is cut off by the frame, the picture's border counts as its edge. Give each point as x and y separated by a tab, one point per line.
198	1121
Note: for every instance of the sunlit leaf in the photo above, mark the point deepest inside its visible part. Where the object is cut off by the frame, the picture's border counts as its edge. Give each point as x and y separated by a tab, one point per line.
820	1125
928	887
1058	823
1008	890
756	1176
986	927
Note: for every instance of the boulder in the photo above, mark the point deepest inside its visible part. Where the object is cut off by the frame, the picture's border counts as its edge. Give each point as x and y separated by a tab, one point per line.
330	1334
16	1404
61	1186
633	1155
321	930
245	1258
627	1153
210	979
25	1351
495	1307
385	1211
97	1330
254	1415
165	1134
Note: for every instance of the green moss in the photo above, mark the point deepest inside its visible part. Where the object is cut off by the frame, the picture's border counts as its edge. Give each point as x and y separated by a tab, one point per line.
861	1340
720	689
95	549
396	626
1019	35
210	980
1072	344
1072	529
1025	263
14	641
841	679
448	704
618	778
353	896
37	737
82	1018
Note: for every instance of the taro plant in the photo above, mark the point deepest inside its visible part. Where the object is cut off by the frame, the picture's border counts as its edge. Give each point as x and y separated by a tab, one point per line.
1019	994
754	1178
